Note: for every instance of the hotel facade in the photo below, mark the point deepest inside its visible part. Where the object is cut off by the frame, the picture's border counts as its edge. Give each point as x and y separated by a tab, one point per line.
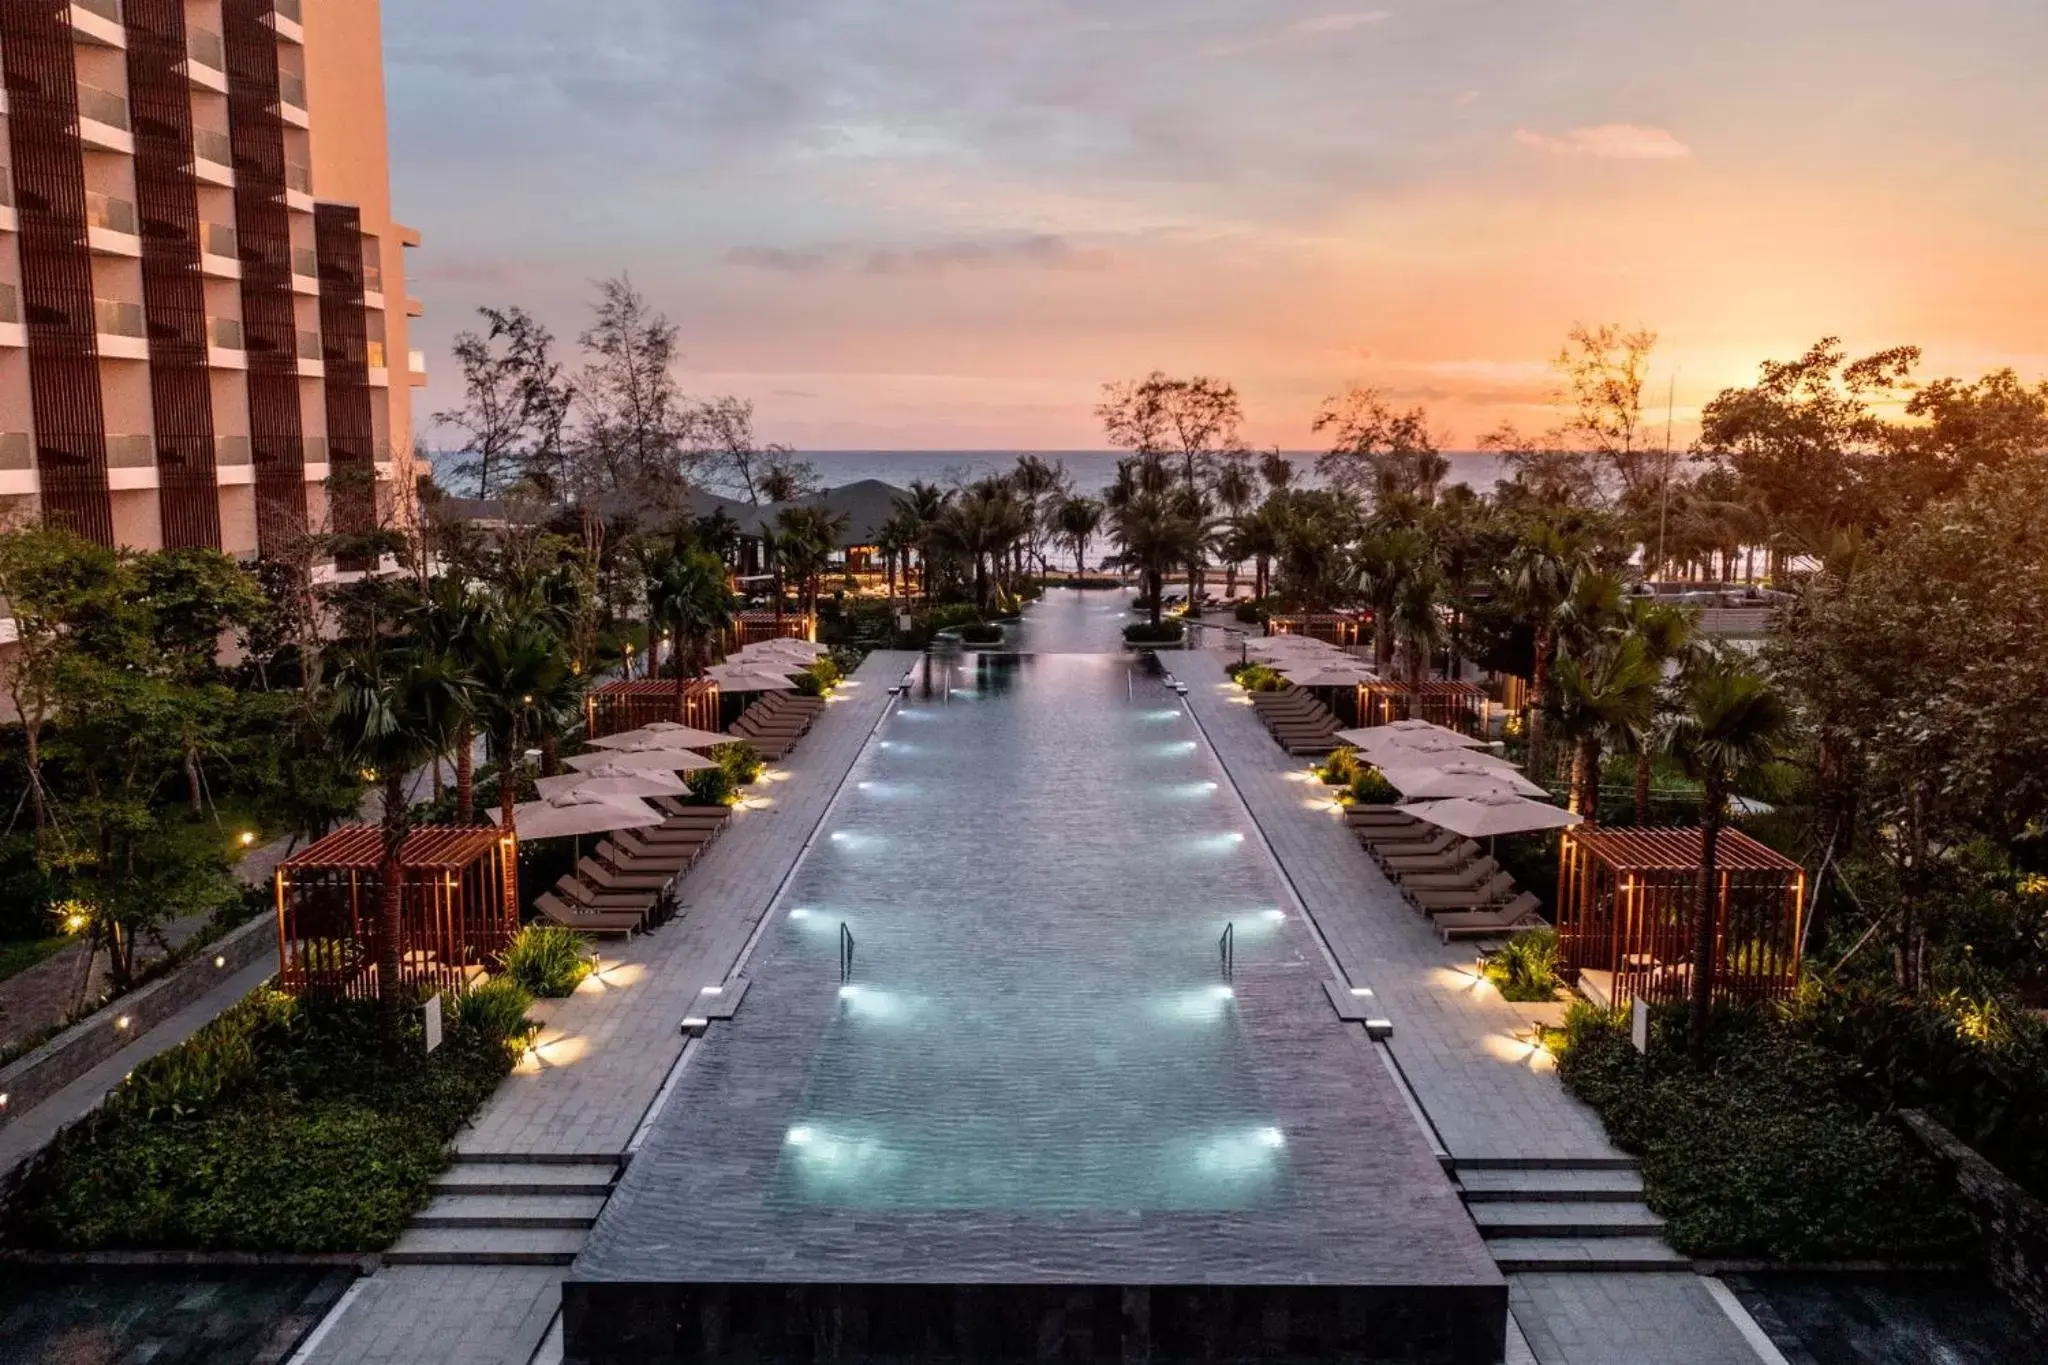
203	312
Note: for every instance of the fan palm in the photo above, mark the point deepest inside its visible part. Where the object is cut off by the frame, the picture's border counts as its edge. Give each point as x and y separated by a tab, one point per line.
446	620
1666	633
1726	729
688	597
1537	580
1607	693
394	707
1156	536
520	671
1076	520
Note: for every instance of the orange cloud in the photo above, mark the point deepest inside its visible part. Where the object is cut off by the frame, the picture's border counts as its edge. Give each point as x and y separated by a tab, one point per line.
1609	142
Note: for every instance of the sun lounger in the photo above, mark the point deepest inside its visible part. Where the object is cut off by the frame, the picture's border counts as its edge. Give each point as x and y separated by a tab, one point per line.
596	874
1466	876
1519	913
643	859
1424	841
586	921
1456	856
1494	892
579	893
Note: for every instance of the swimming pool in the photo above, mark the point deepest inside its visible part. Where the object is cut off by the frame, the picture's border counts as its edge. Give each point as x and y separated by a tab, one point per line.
1038	1103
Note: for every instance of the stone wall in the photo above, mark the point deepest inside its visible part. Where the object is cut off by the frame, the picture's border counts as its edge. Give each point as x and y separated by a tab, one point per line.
30	1080
2013	1224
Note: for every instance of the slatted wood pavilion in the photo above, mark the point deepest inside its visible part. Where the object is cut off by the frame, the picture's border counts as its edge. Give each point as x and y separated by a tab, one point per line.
1344	628
1461	706
752	627
460	908
1627	926
630	703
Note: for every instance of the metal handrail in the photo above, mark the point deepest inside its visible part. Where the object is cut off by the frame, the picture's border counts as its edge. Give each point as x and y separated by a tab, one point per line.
1226	951
845	953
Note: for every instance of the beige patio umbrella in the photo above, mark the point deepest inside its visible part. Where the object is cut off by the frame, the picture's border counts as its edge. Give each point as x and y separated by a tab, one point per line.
1492	813
557	817
1325	673
1384	753
663	734
803	649
645	758
732	678
1461	778
609	779
1419	734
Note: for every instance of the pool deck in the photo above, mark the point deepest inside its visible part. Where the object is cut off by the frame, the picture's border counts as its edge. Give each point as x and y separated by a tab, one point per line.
607	1051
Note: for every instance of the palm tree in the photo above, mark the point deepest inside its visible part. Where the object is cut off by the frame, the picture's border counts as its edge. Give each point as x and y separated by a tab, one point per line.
1538	580
981	526
687	595
1609	692
395	707
446	621
805	540
920	508
1156	537
1416	623
1037	486
1387	563
1261	536
1666	635
1075	520
1236	486
519	670
1727	728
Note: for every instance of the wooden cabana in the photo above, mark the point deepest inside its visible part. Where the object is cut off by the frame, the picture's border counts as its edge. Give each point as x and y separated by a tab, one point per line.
1338	628
630	703
460	908
752	627
1461	706
1627	923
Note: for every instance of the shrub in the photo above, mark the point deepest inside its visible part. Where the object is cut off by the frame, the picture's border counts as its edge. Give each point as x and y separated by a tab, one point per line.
741	760
186	1081
712	787
1259	678
1341	768
1525	968
826	670
807	685
981	633
1761	1154
1167	632
1371	788
1250	612
496	1012
546	960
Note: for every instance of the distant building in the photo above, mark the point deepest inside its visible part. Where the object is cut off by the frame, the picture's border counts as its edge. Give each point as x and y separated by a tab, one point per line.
202	292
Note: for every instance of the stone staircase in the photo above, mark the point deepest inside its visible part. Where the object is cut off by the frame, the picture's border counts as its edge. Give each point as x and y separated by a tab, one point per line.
508	1211
1583	1215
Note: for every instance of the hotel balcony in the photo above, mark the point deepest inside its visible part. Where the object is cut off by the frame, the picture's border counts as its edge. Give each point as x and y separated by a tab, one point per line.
289	21
103	121
131	462
291	99
380	364
298	187
206	60
110	226
232	461
213	157
12	333
123	331
306	271
98	22
226	347
312	362
8	222
17	463
219	251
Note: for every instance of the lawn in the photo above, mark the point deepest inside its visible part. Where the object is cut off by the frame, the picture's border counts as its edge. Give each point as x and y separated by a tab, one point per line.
18	955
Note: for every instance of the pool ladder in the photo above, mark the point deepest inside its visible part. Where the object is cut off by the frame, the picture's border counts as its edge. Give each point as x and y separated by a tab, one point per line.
845	953
1226	951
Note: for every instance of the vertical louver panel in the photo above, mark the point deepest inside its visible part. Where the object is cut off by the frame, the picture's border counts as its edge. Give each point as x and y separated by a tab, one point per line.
351	435
173	287
269	321
56	266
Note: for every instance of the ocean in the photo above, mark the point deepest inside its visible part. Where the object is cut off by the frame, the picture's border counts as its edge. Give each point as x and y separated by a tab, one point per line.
1090	470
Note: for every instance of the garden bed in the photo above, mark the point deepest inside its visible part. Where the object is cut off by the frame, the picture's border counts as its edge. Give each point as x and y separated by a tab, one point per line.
281	1127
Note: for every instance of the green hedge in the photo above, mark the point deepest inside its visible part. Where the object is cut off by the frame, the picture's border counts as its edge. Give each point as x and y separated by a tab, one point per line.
1167	632
280	1127
1763	1153
1525	968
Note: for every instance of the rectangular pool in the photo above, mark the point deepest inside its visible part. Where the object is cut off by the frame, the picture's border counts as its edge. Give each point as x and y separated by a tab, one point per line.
1038	1079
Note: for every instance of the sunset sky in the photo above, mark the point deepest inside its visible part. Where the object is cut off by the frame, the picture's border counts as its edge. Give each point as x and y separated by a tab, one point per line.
944	223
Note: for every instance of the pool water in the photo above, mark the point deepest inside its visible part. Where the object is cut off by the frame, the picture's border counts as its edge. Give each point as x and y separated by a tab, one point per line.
1036	861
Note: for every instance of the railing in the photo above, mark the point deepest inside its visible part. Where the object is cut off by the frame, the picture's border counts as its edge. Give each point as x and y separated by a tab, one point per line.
1226	951
10	303
6	184
105	9
373	276
103	106
288	9
131	452
314	449
309	346
17	450
375	350
298	177
105	211
208	145
114	318
220	239
231	450
845	953
305	262
226	333
291	89
206	48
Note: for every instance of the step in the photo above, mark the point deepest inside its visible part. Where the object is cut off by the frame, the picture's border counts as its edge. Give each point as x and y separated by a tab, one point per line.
1581	1220
539	1159
486	1246
1617	1254
1556	1187
510	1211
523	1178
1546	1163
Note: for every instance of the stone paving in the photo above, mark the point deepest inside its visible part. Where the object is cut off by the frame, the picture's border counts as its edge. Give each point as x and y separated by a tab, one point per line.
1489	1095
1572	1319
605	1053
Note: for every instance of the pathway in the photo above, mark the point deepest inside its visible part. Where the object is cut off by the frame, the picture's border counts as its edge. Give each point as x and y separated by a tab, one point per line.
604	1055
1538	1171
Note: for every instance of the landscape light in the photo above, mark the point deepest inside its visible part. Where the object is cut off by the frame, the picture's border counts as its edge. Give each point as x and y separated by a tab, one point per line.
220	962
123	1021
248	838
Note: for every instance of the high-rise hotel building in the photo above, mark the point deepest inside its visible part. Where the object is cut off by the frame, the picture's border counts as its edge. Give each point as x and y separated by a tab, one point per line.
203	312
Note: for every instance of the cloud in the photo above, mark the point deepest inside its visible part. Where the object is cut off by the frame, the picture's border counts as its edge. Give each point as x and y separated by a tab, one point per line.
1609	142
1038	251
1337	23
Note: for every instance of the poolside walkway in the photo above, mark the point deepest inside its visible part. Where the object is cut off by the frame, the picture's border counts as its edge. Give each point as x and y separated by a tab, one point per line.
605	1054
1489	1097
